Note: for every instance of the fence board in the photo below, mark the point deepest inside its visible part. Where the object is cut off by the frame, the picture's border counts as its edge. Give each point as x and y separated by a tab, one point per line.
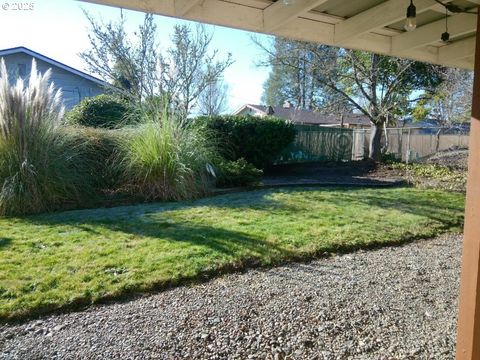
315	143
415	143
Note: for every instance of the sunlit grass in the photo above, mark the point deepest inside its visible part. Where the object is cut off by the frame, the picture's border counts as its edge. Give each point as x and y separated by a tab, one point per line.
79	257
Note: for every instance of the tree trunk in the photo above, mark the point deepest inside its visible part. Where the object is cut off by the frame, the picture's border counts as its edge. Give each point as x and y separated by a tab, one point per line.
375	147
437	139
386	143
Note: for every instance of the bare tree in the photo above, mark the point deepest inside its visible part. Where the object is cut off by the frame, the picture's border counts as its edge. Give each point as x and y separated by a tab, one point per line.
377	86
213	100
451	103
190	67
134	67
129	64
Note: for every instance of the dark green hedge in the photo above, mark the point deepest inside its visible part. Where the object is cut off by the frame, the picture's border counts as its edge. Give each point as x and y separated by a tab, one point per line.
258	140
103	111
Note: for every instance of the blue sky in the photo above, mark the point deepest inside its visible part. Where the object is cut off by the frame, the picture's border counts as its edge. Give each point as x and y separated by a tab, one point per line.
58	29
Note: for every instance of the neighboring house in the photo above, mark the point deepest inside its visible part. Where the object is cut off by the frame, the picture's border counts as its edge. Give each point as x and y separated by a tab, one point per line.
431	126
305	117
75	84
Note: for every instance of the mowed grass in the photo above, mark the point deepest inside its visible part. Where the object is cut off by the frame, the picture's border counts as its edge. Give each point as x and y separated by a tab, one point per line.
79	257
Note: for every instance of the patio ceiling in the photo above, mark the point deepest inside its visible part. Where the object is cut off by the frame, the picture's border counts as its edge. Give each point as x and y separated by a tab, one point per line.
372	25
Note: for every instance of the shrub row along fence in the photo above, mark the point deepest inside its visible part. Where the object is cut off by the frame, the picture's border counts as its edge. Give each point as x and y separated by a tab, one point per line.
315	143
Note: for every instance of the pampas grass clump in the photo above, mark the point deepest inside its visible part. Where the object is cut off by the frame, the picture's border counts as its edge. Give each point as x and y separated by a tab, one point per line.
164	159
42	166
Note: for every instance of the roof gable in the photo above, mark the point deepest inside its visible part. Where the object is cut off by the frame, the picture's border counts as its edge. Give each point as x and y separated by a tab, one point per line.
34	54
302	116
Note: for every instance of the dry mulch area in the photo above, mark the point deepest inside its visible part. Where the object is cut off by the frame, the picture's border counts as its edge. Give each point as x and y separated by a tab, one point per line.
355	173
452	159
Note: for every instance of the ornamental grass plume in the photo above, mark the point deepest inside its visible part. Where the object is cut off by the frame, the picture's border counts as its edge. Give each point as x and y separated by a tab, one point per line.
42	165
164	158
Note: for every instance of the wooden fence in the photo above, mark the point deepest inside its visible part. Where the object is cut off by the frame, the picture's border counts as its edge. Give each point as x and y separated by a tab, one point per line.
315	143
410	144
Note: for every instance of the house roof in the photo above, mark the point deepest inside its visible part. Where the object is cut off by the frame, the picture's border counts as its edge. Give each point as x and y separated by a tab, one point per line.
310	117
34	54
371	25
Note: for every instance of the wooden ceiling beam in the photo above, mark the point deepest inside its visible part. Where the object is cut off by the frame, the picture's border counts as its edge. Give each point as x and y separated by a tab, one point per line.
379	16
467	63
235	15
457	50
279	14
458	25
440	9
182	7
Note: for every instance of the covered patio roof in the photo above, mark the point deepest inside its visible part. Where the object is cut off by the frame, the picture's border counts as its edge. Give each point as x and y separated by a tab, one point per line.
375	26
372	25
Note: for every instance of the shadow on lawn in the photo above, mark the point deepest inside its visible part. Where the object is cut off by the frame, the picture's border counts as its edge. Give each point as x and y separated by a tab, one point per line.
436	206
148	220
224	241
252	199
4	242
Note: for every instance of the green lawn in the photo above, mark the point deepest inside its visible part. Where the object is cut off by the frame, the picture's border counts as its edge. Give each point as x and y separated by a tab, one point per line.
79	257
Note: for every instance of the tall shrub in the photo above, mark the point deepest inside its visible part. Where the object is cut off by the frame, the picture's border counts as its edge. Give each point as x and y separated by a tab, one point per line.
163	160
103	111
258	140
41	167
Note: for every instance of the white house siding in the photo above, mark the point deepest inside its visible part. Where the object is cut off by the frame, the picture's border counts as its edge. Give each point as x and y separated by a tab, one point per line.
74	87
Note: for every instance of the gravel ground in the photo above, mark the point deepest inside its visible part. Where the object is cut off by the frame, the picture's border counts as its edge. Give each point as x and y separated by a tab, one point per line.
392	303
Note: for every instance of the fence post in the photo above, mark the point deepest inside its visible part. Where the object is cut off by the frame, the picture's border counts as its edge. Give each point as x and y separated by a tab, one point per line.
408	146
354	137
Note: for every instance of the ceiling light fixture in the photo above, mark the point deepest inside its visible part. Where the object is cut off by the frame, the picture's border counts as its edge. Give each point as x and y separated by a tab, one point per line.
446	36
288	2
411	20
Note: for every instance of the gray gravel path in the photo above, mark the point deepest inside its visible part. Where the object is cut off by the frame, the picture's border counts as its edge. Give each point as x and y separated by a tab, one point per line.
392	303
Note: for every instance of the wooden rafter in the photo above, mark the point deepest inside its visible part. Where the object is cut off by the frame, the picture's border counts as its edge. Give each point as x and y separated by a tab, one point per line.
279	14
379	16
457	50
296	22
182	7
458	25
